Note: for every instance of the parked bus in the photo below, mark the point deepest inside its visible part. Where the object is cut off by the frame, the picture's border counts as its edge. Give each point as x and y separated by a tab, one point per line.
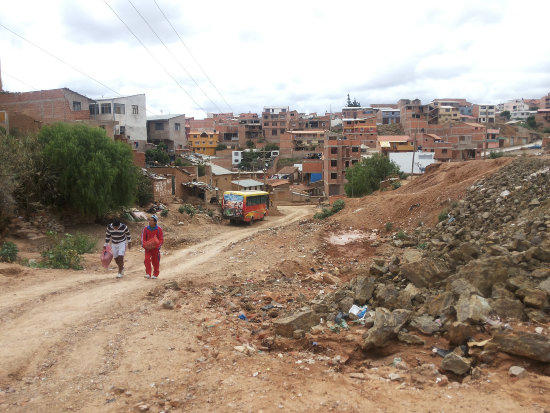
246	206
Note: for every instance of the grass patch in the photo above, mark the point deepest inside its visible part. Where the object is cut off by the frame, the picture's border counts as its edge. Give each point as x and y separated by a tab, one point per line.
337	206
8	252
65	252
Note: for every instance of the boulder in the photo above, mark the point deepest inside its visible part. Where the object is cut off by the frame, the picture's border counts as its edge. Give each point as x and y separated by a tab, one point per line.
409	338
386	326
472	308
459	332
507	307
425	273
441	304
531	345
532	297
302	320
425	324
456	364
545	286
363	287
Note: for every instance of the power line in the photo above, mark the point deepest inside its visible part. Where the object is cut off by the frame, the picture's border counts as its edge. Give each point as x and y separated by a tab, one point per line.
154	58
191	54
19	80
67	64
175	58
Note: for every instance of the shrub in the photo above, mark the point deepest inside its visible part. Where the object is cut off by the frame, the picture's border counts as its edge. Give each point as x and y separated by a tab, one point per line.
422	246
388	226
210	213
401	235
443	215
8	252
164	213
396	184
62	253
82	243
187	208
336	207
144	193
495	154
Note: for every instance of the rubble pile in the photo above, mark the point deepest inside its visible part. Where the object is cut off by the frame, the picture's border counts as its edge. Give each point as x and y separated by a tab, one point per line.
486	264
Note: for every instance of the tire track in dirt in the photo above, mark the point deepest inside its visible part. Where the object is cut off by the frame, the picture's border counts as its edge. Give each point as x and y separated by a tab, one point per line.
46	310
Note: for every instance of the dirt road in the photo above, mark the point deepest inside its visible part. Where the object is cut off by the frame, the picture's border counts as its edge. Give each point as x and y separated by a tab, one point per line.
84	341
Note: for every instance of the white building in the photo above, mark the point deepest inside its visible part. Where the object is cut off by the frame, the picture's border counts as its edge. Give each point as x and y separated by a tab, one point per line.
129	112
404	161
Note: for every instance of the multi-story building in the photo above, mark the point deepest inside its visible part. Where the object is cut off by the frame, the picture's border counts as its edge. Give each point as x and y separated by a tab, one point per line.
302	142
362	129
204	142
338	155
55	105
395	143
388	116
169	129
464	107
484	113
358	112
128	115
545	102
448	114
275	122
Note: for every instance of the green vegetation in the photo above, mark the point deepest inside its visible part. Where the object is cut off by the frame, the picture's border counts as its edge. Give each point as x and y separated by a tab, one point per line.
546	130
396	184
287	162
506	114
190	209
164	213
496	154
221	146
250	144
8	252
353	104
158	155
93	173
144	190
388	226
422	246
443	215
65	252
531	123
201	169
271	147
337	206
401	235
364	177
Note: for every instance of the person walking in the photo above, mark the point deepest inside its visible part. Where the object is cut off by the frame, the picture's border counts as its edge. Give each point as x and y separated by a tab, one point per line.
119	236
152	239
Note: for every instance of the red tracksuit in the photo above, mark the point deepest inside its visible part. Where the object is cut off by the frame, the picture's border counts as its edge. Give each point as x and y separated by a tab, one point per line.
152	256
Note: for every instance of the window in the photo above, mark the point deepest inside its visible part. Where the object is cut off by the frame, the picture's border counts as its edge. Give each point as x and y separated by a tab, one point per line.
355	148
76	105
159	126
135	110
177	126
266	123
211	142
274	132
354	161
333	151
282	131
94	109
105	108
443	150
333	175
333	162
273	123
122	130
102	126
120	108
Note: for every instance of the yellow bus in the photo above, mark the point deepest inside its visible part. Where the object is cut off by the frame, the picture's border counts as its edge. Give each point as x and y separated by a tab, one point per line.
245	206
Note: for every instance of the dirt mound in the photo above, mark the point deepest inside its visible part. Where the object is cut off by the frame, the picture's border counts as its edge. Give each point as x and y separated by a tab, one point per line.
419	201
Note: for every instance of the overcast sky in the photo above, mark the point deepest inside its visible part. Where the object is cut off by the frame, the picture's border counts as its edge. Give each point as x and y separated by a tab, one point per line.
307	55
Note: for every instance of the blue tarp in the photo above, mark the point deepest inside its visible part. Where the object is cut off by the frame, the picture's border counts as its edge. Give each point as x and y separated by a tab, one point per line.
316	177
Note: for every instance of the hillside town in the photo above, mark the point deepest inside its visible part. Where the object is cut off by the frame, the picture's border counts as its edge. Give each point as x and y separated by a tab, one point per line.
294	156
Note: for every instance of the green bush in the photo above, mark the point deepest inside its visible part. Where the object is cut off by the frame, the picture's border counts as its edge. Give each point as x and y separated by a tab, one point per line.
401	235
8	252
164	213
337	206
210	213
443	215
396	184
83	244
63	253
187	208
495	154
144	193
388	226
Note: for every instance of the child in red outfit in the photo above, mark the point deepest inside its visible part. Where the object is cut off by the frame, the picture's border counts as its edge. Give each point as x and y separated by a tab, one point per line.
152	255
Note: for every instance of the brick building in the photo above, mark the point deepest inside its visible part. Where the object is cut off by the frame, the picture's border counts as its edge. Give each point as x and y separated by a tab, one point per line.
276	121
204	142
338	155
302	142
362	129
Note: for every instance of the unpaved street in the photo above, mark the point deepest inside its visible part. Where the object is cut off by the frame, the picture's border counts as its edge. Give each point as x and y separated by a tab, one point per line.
84	341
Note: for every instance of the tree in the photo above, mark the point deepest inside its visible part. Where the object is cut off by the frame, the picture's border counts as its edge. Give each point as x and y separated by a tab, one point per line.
531	122
249	160
94	174
271	147
365	176
158	155
506	114
354	104
221	146
250	144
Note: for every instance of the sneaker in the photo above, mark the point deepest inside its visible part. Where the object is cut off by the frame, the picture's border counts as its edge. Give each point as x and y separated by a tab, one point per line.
119	275
154	277
147	276
122	272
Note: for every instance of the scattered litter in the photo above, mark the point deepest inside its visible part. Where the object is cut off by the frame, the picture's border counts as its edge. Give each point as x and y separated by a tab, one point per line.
440	351
357	311
242	317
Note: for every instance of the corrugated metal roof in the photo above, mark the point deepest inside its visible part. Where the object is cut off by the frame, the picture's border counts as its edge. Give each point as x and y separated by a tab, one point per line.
246	183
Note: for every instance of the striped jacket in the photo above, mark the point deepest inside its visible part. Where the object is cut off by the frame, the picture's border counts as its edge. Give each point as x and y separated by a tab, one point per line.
117	235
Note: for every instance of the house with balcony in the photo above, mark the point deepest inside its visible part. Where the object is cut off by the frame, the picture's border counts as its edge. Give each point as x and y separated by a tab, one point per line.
484	113
302	142
203	142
